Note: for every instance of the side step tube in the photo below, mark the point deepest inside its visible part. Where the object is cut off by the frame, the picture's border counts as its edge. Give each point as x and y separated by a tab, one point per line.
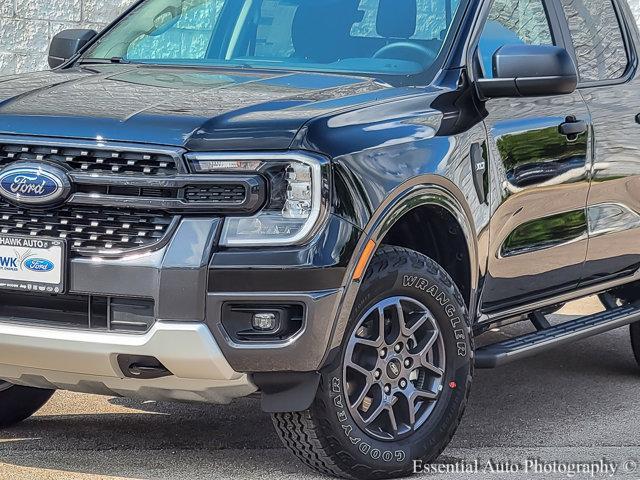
501	353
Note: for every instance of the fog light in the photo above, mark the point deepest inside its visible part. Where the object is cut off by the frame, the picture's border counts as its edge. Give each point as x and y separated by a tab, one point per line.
260	323
264	322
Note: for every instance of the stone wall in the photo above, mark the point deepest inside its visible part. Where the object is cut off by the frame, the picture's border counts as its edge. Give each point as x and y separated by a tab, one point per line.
27	26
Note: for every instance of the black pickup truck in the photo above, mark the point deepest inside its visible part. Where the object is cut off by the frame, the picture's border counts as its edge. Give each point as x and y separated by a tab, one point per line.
323	202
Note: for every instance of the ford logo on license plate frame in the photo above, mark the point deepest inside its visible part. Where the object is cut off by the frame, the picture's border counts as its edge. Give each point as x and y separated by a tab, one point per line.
33	264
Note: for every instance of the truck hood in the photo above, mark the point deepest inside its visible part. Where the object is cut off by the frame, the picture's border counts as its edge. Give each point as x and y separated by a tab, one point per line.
194	108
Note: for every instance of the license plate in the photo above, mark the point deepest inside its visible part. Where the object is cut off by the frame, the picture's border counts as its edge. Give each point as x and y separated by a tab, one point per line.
32	264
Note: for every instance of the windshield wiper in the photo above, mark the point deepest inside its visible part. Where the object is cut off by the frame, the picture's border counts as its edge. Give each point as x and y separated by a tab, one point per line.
104	61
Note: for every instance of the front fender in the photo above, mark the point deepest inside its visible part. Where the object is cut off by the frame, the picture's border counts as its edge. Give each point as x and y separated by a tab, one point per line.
425	190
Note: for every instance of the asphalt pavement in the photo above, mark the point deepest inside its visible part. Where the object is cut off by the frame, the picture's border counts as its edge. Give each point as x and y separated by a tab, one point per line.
577	407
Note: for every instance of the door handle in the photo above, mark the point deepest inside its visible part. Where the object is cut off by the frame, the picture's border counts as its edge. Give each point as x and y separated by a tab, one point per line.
573	127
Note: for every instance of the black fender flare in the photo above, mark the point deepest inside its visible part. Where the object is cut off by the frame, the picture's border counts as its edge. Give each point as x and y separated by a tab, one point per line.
420	191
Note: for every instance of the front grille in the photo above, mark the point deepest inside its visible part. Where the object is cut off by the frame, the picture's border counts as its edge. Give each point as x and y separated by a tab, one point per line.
123	198
227	194
92	159
90	312
89	230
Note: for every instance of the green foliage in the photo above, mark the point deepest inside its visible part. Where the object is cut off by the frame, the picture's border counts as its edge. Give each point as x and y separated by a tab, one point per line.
537	146
546	232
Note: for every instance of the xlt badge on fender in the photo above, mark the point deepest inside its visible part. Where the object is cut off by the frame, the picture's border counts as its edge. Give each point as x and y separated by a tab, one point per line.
34	184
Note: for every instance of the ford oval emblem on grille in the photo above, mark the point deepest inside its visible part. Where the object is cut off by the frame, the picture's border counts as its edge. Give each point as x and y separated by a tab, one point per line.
34	184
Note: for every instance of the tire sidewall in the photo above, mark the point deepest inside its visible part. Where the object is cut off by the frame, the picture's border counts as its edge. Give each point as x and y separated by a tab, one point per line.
423	280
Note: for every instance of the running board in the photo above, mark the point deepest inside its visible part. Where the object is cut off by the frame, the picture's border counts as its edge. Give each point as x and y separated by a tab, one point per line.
501	353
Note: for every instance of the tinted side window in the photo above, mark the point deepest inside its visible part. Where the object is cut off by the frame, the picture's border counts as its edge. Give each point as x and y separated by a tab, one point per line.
597	39
513	22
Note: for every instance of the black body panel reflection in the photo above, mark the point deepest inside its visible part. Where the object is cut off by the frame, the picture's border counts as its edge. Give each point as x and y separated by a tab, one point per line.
538	227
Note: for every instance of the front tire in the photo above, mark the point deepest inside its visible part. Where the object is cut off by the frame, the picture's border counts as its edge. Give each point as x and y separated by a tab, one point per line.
19	403
398	389
635	340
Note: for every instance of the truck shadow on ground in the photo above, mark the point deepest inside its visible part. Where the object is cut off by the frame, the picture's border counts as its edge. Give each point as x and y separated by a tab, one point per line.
526	404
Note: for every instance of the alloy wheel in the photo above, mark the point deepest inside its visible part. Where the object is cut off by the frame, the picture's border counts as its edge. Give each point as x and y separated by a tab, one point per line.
394	368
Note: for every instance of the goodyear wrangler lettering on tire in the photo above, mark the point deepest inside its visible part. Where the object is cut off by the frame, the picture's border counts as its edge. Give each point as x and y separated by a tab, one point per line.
364	447
422	284
407	342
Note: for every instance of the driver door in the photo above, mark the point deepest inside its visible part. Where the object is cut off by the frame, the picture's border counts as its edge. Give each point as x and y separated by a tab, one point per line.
538	231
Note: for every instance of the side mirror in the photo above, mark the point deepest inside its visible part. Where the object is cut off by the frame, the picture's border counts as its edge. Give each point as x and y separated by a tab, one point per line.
66	44
530	71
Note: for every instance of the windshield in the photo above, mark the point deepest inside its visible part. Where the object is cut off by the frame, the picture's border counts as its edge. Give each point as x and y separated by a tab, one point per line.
393	37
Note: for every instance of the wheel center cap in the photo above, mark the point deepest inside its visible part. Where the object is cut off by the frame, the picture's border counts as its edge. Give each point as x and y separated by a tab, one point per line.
393	369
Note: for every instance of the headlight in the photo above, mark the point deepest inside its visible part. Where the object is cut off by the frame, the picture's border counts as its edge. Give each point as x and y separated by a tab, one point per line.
296	201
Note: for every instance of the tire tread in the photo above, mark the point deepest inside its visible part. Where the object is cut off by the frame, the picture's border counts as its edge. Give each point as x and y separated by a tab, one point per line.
305	435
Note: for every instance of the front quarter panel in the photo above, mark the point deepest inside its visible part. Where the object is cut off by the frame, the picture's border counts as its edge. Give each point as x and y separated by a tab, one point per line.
379	148
392	157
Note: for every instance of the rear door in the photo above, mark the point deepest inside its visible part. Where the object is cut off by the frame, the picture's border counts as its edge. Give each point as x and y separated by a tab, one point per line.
604	51
538	231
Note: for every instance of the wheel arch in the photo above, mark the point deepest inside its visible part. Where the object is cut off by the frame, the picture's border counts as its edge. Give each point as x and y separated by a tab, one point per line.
423	192
433	230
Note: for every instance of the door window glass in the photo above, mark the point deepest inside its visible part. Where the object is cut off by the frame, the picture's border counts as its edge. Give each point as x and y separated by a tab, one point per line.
597	39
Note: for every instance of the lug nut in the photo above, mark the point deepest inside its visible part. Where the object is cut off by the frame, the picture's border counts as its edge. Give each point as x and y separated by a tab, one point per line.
398	348
383	353
377	374
387	389
403	383
407	363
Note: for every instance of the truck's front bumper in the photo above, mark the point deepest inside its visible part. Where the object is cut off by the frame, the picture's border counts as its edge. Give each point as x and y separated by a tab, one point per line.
188	281
86	361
